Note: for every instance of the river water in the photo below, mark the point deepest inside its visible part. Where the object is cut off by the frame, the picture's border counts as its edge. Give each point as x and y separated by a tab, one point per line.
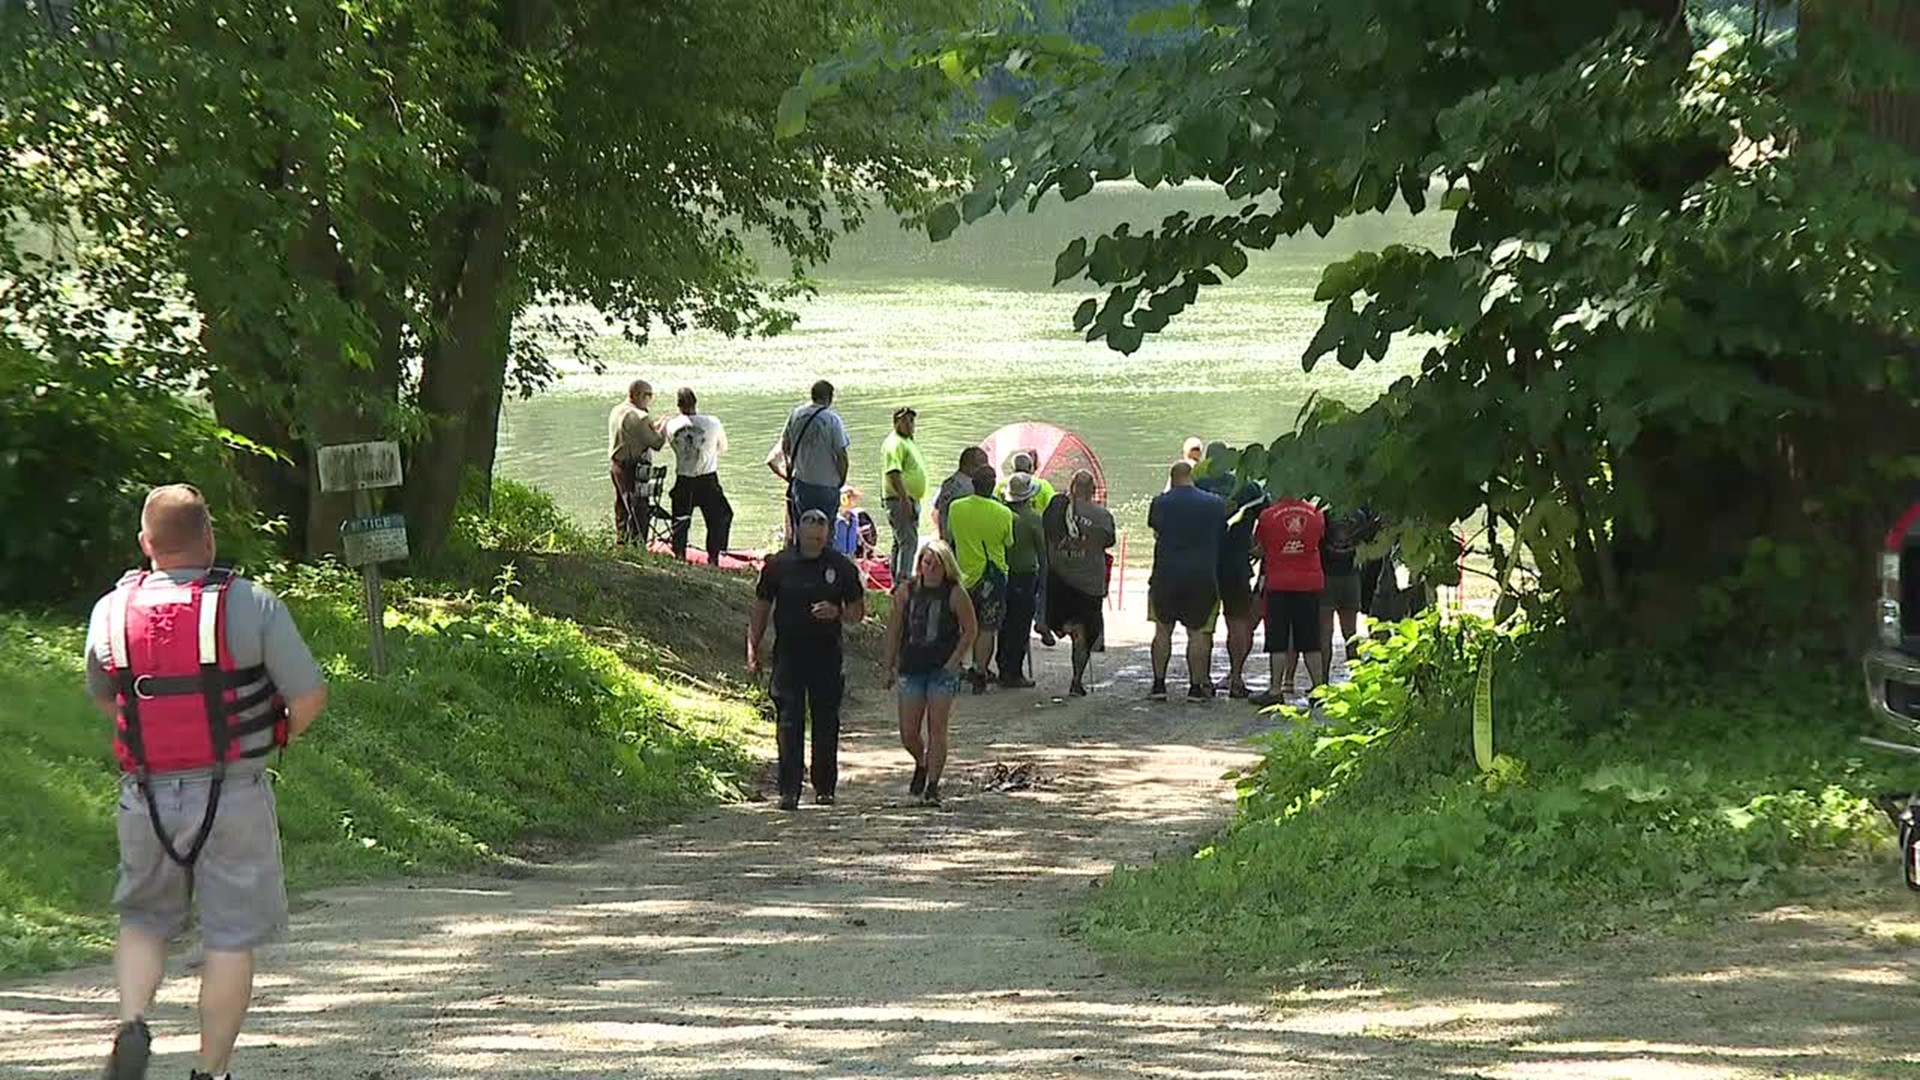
969	333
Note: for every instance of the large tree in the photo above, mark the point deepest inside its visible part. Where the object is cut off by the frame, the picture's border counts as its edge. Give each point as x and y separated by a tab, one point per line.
1670	340
334	217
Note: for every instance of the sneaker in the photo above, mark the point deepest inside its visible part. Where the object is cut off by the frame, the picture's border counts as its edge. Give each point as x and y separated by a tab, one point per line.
1077	690
132	1046
1239	692
823	798
789	802
1159	691
1267	699
931	797
919	783
1200	692
1016	682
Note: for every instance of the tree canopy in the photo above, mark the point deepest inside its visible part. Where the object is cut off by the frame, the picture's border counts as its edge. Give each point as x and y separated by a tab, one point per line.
329	217
1671	339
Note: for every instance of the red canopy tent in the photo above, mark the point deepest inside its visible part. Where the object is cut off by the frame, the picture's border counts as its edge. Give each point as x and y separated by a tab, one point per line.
1060	453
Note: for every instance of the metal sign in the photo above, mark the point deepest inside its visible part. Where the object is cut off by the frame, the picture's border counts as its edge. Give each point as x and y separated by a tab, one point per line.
373	540
359	466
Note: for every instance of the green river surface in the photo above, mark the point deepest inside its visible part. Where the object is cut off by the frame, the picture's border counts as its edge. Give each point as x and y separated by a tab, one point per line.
968	332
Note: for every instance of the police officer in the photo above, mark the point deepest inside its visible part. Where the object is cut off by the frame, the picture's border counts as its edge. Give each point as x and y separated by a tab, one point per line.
205	675
808	592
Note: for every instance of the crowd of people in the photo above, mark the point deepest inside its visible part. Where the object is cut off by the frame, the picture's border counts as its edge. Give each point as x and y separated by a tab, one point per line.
1011	559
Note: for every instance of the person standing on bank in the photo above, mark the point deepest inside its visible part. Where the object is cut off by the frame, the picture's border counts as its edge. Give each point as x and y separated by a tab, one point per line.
1080	533
1288	535
698	440
1245	499
957	486
815	442
982	529
204	674
904	492
1189	526
632	437
928	639
808	592
1025	561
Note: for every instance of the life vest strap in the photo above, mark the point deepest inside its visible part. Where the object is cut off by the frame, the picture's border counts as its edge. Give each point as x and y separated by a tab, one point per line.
157	686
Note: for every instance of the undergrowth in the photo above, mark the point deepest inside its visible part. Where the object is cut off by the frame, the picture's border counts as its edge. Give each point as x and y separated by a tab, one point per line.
1630	791
498	726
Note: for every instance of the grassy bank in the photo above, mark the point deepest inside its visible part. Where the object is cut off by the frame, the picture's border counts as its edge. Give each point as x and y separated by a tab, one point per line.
501	725
1632	793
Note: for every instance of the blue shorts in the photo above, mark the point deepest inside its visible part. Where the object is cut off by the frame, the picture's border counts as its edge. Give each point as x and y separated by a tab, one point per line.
938	683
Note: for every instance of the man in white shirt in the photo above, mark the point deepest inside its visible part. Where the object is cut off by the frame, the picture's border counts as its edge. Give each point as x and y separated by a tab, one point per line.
815	443
698	440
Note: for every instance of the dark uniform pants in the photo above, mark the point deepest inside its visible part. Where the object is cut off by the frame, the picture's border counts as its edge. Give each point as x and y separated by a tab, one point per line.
702	493
808	683
1016	632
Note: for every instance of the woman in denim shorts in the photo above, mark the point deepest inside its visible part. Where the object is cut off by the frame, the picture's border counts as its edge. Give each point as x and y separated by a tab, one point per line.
929	637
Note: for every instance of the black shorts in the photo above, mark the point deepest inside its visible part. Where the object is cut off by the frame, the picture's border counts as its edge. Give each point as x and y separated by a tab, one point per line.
1293	622
1193	604
1068	606
1236	596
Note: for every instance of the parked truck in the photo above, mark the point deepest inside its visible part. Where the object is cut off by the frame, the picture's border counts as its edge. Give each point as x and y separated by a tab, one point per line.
1893	672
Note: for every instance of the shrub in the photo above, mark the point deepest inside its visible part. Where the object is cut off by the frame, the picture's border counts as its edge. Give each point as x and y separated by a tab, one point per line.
1618	800
81	441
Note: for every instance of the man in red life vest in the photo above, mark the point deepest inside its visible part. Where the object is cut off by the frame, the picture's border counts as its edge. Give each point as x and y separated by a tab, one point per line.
204	675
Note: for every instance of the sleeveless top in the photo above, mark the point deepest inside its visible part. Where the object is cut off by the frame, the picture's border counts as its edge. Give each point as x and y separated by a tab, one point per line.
932	629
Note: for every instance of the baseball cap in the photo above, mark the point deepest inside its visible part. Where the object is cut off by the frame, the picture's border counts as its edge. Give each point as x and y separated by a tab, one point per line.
905	410
813	513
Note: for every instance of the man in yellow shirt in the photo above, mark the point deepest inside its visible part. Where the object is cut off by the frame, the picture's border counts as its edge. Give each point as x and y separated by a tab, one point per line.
632	437
982	529
905	488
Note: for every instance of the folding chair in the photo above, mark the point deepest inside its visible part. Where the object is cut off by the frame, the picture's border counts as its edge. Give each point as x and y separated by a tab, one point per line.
658	528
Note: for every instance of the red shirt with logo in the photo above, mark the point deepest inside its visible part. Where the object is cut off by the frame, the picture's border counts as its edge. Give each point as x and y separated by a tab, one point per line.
1289	533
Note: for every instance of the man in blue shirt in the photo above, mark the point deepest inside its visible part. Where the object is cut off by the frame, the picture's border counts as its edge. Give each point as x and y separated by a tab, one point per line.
1245	499
1189	528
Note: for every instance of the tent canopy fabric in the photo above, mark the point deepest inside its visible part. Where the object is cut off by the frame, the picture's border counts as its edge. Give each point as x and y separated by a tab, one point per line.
1061	453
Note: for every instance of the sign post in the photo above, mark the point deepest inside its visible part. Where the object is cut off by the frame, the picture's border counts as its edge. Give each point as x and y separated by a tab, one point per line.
367	540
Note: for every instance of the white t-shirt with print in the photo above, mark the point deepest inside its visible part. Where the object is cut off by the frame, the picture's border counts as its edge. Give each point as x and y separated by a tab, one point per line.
697	441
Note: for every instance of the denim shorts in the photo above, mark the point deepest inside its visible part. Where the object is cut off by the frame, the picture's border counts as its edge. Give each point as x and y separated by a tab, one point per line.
937	683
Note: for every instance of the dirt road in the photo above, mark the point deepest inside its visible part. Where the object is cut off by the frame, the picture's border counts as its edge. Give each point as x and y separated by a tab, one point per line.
877	938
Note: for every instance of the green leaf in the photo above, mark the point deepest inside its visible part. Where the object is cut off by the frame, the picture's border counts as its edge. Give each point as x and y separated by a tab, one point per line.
954	67
1150	165
1068	264
790	119
1074	183
975	205
941	223
1083	315
1232	262
1003	110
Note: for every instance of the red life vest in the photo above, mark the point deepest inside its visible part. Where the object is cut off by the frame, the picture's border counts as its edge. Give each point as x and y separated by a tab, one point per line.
183	703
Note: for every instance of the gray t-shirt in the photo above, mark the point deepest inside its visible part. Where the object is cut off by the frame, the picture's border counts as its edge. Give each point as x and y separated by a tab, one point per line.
1078	538
260	631
814	446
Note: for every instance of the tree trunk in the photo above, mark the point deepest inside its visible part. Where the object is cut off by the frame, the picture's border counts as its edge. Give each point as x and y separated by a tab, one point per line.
483	432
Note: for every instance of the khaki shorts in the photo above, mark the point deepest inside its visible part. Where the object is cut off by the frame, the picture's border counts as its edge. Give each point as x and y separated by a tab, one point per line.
237	881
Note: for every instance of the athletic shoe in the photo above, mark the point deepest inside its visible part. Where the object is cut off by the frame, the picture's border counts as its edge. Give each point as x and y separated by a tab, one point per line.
789	802
820	799
919	783
132	1046
1159	691
932	795
1077	690
1239	692
1200	691
1016	682
1267	699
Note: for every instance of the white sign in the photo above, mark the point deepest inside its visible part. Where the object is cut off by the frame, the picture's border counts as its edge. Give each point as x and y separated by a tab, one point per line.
373	540
359	466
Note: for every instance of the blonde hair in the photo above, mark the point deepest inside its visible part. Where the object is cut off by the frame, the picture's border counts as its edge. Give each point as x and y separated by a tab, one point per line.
949	562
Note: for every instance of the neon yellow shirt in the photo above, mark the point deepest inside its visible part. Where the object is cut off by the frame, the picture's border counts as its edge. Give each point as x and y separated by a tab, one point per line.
903	456
982	532
1042	494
